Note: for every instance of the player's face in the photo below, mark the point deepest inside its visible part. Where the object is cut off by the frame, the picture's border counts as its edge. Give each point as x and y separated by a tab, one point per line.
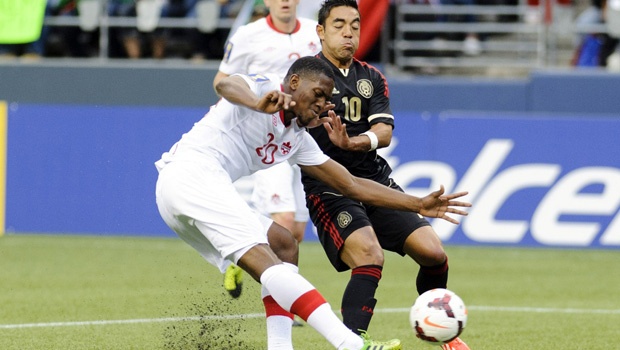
341	34
283	10
311	98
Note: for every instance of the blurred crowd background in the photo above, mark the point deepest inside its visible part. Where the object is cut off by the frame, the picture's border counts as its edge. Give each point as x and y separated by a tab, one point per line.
424	36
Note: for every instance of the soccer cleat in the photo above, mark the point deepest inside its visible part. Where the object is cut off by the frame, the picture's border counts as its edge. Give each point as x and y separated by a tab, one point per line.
369	344
456	344
232	280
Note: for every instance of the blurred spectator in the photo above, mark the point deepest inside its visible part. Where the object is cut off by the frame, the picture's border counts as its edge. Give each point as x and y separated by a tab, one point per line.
593	14
471	41
70	40
134	42
211	45
177	41
595	48
146	42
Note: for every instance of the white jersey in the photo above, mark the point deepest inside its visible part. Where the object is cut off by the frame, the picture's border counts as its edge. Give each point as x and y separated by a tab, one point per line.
244	141
258	47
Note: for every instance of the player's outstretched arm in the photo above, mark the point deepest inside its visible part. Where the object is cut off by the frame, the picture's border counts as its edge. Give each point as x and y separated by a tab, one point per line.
435	205
336	130
238	92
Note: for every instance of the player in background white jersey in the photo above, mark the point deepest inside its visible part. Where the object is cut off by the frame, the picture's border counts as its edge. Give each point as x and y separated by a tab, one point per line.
272	44
259	123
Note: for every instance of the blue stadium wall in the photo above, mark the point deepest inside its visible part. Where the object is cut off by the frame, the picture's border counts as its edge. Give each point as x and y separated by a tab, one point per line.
540	156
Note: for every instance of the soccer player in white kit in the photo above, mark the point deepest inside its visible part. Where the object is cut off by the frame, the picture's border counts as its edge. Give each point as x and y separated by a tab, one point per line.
258	124
272	44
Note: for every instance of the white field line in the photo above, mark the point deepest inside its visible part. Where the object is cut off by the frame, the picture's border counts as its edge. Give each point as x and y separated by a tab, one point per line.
258	315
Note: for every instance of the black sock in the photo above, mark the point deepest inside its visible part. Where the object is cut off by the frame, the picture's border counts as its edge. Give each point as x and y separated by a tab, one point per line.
358	301
430	277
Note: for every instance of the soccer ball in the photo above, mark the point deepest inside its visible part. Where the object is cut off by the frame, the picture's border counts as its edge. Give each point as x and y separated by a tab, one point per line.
438	316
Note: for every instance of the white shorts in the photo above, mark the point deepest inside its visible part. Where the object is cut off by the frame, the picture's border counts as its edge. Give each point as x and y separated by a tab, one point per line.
279	190
200	204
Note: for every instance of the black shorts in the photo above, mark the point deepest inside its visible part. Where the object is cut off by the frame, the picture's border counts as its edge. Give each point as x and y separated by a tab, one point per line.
336	217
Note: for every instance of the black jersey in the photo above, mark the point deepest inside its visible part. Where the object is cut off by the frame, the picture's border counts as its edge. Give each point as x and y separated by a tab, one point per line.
362	99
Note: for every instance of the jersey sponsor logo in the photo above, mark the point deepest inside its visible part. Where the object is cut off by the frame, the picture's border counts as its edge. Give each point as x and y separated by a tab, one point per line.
259	78
364	87
268	150
344	219
294	56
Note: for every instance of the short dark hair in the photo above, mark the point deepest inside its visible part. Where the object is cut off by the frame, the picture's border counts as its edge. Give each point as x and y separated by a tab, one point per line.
310	67
328	5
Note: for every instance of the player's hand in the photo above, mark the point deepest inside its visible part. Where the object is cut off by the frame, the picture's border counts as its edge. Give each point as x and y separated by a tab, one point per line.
337	130
322	120
437	205
273	102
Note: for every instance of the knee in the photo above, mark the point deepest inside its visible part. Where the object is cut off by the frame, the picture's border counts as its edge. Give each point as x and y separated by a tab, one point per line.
283	244
360	250
436	257
432	257
425	247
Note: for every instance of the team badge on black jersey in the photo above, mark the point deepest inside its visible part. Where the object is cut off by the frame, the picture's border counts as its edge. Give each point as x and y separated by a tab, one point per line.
364	87
344	219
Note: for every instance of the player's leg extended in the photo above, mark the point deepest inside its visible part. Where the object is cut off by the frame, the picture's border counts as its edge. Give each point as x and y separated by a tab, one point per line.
294	294
285	245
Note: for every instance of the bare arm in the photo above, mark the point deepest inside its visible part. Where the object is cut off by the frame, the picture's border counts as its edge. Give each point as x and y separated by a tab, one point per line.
238	92
435	205
361	143
219	76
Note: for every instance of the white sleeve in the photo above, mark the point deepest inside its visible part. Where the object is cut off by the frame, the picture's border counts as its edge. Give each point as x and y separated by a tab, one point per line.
238	54
261	84
309	153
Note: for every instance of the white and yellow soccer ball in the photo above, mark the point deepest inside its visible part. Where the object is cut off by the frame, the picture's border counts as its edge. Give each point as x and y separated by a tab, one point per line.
438	316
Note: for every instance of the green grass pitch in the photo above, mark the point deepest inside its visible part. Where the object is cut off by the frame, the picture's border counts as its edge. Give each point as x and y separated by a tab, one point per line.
85	292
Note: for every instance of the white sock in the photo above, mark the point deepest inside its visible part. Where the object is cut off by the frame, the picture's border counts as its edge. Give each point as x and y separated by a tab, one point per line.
279	323
329	325
295	294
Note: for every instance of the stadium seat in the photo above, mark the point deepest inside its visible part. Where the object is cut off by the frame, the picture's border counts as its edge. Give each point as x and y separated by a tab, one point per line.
89	13
208	12
148	14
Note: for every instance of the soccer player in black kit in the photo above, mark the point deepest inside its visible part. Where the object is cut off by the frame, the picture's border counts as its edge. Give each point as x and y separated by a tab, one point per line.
353	234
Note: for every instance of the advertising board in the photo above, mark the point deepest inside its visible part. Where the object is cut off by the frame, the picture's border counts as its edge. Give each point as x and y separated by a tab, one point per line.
534	179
